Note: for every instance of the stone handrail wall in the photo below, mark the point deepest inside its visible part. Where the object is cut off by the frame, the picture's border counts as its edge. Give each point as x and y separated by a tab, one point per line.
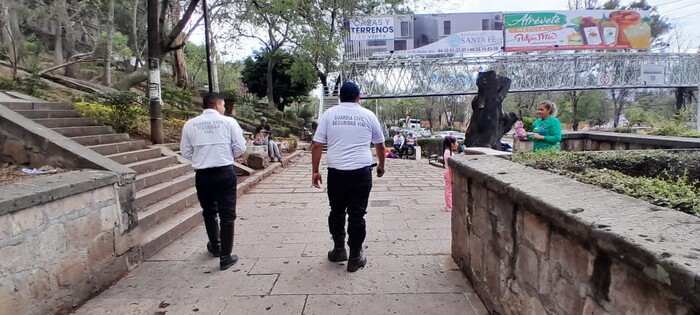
62	240
604	141
533	242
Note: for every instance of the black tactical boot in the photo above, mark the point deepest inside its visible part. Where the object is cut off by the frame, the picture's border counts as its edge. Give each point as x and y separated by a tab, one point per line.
226	260
357	259
214	245
338	253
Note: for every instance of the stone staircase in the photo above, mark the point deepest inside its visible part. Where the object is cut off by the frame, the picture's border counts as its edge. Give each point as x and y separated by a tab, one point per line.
165	196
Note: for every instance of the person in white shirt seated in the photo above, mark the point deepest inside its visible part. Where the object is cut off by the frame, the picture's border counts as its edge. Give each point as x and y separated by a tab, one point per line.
398	143
212	141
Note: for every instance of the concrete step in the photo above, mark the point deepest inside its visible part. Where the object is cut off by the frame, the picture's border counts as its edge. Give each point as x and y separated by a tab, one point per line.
162	191
135	156
162	175
28	105
38	114
151	165
101	139
165	209
84	131
66	122
119	147
23	97
168	231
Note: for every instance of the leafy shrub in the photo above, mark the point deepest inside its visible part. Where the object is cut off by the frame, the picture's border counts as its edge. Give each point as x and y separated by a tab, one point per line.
179	98
624	130
30	85
669	179
245	111
675	129
527	123
172	128
280	131
121	117
179	113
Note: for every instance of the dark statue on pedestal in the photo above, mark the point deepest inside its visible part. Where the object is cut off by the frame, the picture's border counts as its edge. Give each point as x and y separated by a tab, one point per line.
489	123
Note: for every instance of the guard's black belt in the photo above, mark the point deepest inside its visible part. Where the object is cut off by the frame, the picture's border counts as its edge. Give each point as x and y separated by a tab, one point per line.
215	169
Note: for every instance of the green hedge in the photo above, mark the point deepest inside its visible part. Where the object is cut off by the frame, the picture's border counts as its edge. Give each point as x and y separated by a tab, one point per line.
668	179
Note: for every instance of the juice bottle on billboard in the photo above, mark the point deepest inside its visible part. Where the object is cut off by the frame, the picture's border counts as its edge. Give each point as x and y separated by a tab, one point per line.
609	29
639	35
624	19
591	32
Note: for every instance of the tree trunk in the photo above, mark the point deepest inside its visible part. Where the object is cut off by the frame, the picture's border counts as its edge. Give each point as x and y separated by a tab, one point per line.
7	39
214	67
575	96
618	103
489	123
179	65
58	46
270	81
132	79
107	75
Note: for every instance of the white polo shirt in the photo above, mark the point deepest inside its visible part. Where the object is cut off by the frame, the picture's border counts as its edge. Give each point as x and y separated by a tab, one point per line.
212	140
348	129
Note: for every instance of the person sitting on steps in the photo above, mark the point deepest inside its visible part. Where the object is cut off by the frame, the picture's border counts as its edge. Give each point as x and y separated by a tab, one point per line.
273	149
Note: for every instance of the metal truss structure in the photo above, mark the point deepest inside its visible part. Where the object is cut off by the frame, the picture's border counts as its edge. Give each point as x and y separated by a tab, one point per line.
395	78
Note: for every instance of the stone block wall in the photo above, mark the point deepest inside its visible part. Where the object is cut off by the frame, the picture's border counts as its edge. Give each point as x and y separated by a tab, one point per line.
532	242
606	141
60	249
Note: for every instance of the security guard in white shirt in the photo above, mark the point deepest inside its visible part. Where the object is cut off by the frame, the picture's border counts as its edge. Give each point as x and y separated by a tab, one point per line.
212	141
348	129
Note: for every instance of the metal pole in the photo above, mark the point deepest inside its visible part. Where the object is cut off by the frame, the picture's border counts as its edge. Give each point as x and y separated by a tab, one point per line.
697	113
207	41
154	73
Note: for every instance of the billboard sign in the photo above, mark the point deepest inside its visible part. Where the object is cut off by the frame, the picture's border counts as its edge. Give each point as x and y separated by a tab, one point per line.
574	30
372	28
425	34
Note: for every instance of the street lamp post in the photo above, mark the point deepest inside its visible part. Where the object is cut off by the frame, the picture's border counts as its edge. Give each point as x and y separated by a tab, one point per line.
154	73
207	43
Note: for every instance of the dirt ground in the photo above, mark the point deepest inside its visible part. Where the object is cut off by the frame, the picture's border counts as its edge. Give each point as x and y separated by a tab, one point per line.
10	173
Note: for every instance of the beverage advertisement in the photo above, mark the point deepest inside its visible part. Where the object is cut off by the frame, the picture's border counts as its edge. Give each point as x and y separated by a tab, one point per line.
574	30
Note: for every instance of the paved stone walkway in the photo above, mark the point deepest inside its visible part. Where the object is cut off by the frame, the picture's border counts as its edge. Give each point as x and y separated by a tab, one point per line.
282	239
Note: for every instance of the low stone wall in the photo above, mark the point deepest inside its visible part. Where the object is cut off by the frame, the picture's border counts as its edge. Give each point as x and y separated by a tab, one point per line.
62	240
605	141
532	242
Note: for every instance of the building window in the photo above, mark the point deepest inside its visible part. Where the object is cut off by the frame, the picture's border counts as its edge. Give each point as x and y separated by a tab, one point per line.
447	27
404	29
485	24
376	42
399	45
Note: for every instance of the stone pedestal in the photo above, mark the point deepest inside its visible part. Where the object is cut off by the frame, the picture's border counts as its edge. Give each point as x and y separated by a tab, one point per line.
258	162
522	146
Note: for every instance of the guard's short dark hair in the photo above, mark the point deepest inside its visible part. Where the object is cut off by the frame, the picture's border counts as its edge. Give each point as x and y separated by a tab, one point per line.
210	99
349	92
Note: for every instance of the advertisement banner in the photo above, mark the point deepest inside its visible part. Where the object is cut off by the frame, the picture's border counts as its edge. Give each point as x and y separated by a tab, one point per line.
372	28
424	34
575	30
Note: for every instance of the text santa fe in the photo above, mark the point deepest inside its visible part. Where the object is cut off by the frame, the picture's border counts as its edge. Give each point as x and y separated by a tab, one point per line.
372	28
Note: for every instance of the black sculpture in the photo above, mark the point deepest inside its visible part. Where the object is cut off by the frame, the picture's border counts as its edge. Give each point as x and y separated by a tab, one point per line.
489	123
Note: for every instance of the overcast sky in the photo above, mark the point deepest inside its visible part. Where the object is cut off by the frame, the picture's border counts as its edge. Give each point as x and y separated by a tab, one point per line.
683	14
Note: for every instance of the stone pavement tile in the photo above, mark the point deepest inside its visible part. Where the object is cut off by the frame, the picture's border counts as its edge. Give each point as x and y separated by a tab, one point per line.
189	305
376	264
393	217
446	262
434	247
305	237
227	284
411	234
268	304
245	238
283	227
276	250
117	306
476	304
436	223
428	304
444	233
320	249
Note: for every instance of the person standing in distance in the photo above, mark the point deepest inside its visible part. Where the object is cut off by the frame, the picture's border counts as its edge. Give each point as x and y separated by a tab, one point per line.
212	141
348	129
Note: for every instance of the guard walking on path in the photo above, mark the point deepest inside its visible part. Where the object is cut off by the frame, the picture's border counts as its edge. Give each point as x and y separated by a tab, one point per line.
348	129
212	141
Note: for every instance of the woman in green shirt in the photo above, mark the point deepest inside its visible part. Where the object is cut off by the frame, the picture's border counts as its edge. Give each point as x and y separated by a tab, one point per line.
546	129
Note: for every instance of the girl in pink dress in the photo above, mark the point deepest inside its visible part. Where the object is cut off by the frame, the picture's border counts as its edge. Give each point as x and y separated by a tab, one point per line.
449	145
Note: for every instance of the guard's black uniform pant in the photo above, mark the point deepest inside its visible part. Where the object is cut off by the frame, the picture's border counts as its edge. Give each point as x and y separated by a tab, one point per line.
216	190
348	191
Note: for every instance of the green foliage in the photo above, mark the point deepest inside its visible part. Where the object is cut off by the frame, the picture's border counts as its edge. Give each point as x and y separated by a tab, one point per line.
178	98
638	116
179	113
675	129
527	123
669	179
121	110
120	45
625	129
30	85
245	110
293	76
280	131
